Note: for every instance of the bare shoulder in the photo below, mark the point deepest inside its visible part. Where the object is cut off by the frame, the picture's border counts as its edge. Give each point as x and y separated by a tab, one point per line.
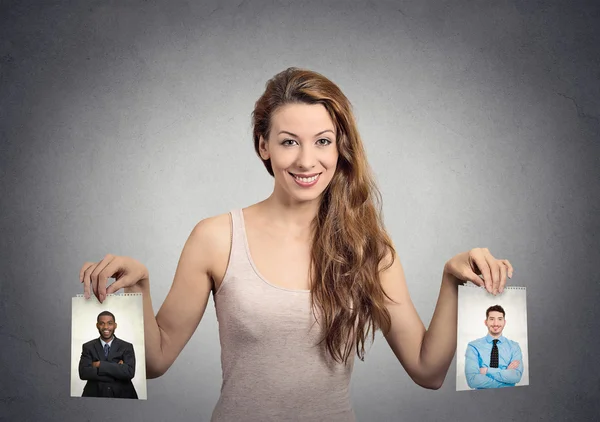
213	228
389	259
213	237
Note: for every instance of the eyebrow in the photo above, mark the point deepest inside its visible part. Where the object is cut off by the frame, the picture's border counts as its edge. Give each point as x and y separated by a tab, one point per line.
318	134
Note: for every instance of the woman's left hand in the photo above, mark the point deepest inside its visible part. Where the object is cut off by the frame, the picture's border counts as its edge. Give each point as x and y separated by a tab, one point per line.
469	266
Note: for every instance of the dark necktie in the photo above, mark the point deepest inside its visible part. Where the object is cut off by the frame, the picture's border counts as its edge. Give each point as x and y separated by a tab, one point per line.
107	348
494	356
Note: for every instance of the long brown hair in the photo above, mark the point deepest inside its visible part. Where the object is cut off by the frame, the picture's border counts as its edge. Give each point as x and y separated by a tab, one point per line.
349	240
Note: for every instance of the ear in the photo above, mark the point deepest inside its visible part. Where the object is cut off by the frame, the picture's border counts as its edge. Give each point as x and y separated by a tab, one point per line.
115	326
263	148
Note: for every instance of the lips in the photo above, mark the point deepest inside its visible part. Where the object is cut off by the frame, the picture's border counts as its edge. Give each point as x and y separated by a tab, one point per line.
304	177
306	180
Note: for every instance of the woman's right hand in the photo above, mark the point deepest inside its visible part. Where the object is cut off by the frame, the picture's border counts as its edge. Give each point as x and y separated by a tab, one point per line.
126	271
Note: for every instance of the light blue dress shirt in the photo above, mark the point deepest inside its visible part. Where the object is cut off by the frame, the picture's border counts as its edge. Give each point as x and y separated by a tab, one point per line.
478	356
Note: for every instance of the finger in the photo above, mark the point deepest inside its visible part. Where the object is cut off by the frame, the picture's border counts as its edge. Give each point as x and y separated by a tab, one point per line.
472	277
479	259
84	267
125	281
503	271
99	291
509	267
87	281
107	272
494	271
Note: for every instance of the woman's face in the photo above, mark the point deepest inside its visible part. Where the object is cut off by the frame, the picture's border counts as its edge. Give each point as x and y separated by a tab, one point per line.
302	149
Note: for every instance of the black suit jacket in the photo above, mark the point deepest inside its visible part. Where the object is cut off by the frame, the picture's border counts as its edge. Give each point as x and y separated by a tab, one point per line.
111	379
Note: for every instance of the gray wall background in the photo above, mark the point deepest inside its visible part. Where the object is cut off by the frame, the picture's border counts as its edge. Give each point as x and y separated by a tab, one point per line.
124	123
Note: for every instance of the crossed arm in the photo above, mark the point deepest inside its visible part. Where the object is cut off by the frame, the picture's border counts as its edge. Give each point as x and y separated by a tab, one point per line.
106	371
87	371
494	377
511	375
120	371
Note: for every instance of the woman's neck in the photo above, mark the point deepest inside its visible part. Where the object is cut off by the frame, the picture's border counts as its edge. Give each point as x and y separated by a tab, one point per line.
289	216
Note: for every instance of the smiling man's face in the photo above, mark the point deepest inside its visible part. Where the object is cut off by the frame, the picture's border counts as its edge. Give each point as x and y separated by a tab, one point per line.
106	327
495	323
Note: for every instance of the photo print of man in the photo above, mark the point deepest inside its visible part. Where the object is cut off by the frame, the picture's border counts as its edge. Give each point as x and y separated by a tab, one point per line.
107	347
107	363
493	361
491	347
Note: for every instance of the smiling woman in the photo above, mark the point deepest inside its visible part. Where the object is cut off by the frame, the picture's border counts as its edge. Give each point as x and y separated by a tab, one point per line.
324	159
300	159
303	278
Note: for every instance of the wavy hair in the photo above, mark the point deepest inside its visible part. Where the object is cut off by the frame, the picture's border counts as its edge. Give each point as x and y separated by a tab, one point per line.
349	241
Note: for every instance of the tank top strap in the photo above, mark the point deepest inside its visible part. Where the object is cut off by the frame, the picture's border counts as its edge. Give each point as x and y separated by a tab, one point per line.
239	254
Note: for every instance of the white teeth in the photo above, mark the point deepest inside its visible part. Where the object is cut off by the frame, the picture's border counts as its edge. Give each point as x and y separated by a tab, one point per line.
306	179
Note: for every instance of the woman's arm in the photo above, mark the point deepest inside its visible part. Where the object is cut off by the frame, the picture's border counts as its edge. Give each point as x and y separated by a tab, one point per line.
169	331
426	354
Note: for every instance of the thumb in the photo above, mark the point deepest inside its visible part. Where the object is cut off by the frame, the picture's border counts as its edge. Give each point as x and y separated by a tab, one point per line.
473	278
125	281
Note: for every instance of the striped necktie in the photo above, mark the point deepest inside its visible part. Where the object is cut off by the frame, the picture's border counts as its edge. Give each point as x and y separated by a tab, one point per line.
494	356
106	350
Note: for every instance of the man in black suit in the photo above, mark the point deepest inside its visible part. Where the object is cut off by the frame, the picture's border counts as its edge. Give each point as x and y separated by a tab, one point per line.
107	363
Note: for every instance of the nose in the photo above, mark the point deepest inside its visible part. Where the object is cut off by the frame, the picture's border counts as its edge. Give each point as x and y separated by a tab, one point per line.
306	157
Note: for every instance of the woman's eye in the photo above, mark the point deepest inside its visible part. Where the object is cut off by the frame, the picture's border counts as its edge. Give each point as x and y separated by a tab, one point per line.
287	142
324	141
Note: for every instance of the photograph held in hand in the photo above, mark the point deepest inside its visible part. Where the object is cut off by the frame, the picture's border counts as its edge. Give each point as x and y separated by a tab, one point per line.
108	366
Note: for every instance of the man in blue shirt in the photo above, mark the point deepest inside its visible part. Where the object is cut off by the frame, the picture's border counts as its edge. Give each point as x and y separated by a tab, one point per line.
493	361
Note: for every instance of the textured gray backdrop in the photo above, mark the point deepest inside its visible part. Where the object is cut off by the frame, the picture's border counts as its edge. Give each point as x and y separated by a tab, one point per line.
123	123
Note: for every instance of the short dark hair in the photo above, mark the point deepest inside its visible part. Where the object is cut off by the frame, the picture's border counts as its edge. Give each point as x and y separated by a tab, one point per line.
105	313
495	308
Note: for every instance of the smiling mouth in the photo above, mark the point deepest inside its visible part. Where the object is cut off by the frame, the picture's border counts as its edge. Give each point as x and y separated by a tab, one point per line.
306	178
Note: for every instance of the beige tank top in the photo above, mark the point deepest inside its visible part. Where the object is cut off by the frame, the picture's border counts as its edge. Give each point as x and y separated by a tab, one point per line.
273	369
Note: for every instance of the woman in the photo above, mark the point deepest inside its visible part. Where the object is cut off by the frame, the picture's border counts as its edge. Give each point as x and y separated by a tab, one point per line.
302	279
